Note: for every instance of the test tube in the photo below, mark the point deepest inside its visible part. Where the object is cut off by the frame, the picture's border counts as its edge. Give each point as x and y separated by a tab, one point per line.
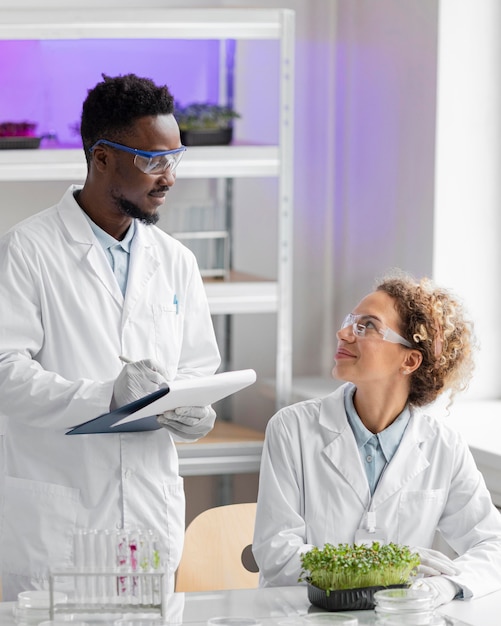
79	564
134	566
92	565
144	560
122	560
100	564
110	559
156	564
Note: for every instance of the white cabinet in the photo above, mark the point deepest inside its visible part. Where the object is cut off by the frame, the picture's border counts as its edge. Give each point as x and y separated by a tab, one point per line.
241	293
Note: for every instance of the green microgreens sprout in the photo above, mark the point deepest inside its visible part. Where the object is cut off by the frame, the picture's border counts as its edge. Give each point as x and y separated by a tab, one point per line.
348	566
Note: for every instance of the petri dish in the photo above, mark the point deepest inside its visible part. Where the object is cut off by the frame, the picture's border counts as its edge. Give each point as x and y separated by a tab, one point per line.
38	599
403	600
34	606
233	621
336	619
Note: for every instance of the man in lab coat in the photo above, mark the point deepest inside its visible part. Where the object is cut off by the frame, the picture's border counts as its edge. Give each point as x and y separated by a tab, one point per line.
81	284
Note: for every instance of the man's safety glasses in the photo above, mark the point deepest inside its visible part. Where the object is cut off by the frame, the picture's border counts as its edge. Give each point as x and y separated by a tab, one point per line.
149	162
368	326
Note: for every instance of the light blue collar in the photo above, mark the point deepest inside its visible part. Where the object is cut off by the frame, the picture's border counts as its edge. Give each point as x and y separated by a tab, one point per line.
107	241
389	439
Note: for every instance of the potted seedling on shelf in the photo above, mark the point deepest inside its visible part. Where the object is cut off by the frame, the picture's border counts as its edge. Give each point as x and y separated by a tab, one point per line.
345	577
205	124
18	135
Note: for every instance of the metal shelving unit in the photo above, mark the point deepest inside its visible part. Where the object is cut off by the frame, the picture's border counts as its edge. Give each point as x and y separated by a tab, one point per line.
238	294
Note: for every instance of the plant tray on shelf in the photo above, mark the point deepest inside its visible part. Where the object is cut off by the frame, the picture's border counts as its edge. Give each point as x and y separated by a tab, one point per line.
207	137
16	143
345	599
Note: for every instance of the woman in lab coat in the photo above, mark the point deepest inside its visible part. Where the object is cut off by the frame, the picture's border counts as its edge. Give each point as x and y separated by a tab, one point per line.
369	462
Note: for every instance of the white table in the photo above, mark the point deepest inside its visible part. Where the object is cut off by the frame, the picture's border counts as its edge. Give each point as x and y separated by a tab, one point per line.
284	606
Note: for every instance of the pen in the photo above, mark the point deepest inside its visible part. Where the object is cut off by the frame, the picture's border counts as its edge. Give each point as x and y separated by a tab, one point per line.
124	359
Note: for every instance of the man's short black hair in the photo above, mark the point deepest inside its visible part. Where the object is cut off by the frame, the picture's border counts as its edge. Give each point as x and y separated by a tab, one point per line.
113	105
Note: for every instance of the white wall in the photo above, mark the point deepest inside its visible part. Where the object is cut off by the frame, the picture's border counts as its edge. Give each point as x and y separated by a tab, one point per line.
468	183
364	154
386	86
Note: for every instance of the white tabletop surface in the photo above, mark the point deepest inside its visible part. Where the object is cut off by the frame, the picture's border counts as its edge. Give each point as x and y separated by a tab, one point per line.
285	606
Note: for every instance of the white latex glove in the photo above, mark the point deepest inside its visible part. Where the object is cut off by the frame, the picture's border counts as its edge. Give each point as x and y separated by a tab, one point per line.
434	563
189	422
136	380
443	589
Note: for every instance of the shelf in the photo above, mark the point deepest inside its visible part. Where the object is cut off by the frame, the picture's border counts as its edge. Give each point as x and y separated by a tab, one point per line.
241	293
235	161
198	162
228	449
146	23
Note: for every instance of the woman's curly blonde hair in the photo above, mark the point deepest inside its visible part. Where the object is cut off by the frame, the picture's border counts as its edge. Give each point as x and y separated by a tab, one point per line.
434	322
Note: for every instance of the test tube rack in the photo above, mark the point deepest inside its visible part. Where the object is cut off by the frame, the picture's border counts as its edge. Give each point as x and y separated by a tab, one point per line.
100	592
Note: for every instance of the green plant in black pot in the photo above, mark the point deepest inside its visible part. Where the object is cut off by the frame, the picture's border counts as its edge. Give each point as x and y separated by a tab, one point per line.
205	124
355	572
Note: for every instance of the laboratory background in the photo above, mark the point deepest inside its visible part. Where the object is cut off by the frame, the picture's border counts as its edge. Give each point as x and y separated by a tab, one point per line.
393	124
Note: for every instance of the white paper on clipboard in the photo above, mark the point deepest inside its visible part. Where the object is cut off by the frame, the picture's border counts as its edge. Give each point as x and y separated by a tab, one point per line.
199	391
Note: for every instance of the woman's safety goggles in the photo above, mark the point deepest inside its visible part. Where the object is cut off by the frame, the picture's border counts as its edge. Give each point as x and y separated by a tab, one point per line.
149	162
369	326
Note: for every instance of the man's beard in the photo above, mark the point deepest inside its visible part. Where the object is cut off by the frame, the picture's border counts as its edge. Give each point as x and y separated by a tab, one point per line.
132	210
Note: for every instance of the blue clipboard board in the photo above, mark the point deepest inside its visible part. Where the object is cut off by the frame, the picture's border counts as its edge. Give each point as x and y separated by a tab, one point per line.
141	415
103	423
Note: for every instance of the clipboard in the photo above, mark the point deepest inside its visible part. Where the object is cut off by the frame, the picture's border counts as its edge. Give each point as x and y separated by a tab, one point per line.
141	415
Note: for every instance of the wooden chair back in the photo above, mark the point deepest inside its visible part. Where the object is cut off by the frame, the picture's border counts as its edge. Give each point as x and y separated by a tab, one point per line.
217	550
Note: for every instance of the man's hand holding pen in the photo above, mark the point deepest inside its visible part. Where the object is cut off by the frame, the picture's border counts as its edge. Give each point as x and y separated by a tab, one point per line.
140	378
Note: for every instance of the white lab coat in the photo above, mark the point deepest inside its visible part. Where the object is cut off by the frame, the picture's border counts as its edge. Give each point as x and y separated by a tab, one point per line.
64	325
313	490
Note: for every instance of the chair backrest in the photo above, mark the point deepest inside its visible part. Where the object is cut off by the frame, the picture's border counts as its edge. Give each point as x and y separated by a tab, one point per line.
217	550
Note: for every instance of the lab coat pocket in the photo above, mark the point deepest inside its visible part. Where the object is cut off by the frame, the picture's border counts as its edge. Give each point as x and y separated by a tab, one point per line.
418	516
168	326
38	526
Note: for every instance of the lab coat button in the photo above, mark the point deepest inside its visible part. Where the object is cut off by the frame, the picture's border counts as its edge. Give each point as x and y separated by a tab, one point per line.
127	473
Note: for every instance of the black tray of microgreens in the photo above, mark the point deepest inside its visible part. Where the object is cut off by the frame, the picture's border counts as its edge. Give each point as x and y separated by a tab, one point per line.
346	577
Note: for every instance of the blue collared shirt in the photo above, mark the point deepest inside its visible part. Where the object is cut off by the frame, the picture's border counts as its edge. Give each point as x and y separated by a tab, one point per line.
117	252
376	450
